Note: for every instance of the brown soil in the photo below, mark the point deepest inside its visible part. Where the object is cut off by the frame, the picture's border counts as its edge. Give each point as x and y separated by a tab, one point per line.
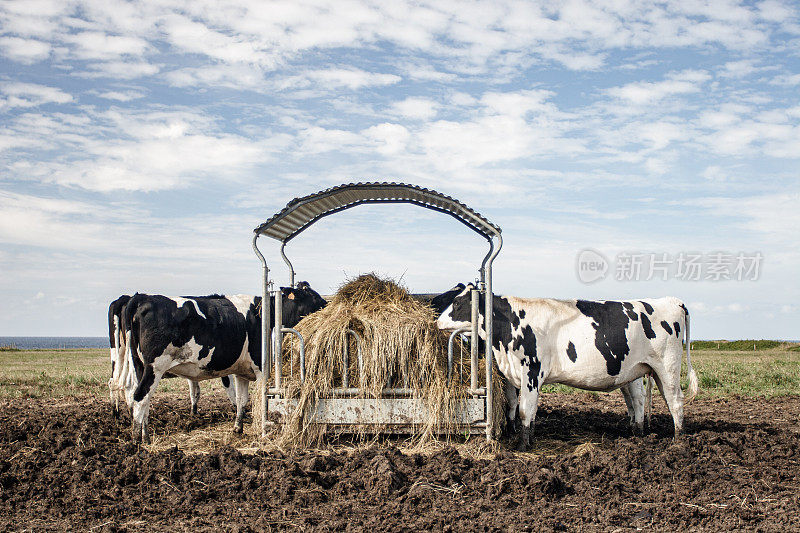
69	465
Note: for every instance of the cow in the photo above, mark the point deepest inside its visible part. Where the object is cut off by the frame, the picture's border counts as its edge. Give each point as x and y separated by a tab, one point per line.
115	342
199	339
121	380
633	392
593	345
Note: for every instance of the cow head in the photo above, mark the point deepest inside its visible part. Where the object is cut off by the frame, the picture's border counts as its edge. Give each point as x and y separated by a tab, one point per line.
458	313
299	302
443	301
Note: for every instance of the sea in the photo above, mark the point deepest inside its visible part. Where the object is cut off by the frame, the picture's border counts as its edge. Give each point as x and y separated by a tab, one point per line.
54	343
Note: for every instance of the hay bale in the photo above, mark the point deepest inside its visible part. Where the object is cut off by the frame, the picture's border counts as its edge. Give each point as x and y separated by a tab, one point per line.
401	346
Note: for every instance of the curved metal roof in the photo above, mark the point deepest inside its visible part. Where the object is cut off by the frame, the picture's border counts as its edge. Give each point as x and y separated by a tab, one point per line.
302	212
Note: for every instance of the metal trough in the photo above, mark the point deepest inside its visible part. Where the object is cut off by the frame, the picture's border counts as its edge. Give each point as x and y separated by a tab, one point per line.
348	407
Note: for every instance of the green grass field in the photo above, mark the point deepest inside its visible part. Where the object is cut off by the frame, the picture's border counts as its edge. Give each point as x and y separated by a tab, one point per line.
769	371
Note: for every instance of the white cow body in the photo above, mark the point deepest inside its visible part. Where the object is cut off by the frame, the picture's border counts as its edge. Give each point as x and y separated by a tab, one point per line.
600	345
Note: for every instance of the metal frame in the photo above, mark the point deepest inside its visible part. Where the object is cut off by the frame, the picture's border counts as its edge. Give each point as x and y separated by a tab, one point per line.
394	407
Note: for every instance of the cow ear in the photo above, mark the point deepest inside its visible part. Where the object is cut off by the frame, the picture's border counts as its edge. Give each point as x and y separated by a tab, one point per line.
290	296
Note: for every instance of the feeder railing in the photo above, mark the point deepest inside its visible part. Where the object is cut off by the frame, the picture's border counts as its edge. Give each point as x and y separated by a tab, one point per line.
302	350
459	331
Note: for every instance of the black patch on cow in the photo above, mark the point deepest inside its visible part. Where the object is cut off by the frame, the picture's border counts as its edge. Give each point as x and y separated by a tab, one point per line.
115	309
443	301
145	383
571	353
647	307
686	311
226	381
528	343
610	322
522	314
665	325
648	327
629	311
677	329
501	316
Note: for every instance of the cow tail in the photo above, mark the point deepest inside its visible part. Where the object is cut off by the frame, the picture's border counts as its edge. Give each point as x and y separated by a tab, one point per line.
694	385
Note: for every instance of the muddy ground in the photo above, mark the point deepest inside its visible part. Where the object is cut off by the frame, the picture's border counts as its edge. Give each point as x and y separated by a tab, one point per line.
67	464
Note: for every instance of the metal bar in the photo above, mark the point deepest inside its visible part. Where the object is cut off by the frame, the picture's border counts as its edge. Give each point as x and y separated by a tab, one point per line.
302	351
488	315
345	362
485	260
277	350
473	346
266	334
450	351
289	264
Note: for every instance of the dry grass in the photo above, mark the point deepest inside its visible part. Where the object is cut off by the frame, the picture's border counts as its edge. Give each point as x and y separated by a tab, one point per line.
401	347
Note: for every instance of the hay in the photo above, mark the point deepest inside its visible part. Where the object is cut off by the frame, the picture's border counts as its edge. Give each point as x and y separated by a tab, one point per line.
401	346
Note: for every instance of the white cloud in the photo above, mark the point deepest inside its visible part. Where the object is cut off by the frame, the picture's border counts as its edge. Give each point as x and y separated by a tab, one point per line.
31	95
774	217
415	108
787	80
647	93
390	138
25	51
121	70
738	69
122	96
95	45
337	78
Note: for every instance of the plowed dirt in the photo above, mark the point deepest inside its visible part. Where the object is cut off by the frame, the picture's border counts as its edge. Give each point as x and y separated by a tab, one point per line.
70	466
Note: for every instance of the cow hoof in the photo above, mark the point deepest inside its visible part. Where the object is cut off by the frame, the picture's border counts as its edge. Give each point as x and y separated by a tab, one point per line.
522	447
238	429
194	409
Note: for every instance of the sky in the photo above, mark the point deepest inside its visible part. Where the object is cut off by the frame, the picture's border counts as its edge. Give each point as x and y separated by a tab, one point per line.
141	143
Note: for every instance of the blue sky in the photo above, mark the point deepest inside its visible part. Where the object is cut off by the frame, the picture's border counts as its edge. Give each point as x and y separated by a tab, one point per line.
141	142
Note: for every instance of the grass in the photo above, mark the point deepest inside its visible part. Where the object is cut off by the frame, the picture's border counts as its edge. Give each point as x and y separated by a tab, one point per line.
772	370
58	373
744	345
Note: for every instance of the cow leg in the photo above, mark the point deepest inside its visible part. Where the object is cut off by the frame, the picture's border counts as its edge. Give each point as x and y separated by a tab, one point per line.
242	396
141	404
634	399
528	404
648	402
626	393
230	388
670	386
194	394
512	403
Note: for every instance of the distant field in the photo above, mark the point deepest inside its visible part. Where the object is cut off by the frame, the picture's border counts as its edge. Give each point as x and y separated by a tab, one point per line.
45	373
58	373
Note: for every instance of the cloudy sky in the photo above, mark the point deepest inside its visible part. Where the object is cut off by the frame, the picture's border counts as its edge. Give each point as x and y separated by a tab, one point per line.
141	142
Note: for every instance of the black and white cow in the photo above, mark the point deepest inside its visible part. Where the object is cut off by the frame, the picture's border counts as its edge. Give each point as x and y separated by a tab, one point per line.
202	338
593	345
122	380
633	392
117	347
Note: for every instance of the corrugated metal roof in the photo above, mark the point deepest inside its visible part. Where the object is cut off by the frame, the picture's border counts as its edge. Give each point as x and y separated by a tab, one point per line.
302	212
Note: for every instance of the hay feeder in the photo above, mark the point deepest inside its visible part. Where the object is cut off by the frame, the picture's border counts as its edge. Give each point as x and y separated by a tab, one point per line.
396	409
